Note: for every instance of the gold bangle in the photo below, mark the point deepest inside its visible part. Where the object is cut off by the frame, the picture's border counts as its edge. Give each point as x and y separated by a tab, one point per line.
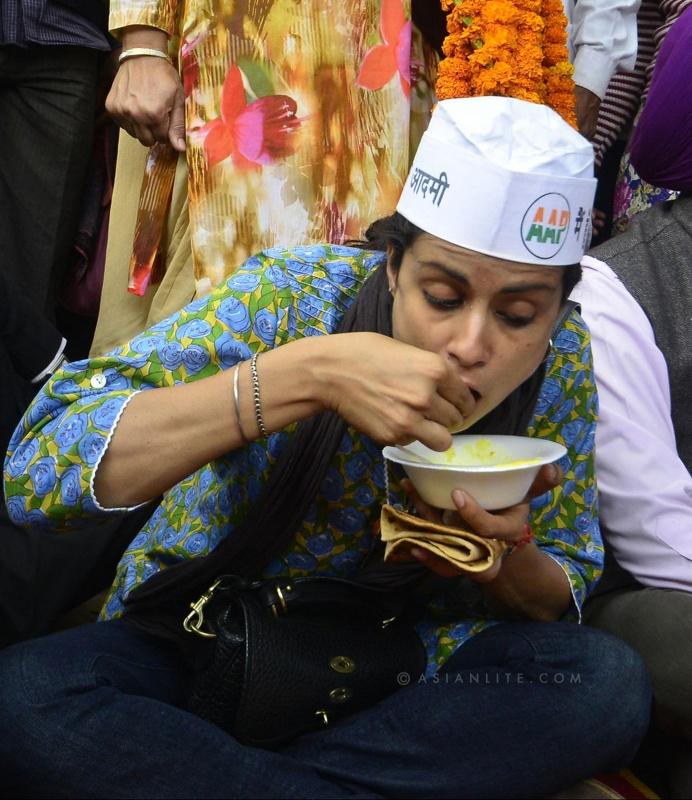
136	52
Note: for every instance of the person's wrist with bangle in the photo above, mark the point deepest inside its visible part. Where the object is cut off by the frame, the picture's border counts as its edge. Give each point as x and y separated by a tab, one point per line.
147	98
141	37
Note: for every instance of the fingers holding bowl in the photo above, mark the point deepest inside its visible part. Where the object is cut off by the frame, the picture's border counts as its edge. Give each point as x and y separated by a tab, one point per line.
549	476
505	525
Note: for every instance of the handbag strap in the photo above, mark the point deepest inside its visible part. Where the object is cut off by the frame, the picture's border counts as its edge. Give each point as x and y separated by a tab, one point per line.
282	595
285	594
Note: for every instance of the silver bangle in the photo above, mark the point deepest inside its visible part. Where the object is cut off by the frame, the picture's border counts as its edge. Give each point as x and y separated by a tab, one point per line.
136	52
256	396
236	400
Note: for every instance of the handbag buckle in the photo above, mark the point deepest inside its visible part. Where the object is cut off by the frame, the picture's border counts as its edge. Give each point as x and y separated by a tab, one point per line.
195	619
282	606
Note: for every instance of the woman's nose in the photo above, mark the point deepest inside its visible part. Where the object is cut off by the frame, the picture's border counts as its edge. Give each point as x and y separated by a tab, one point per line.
469	345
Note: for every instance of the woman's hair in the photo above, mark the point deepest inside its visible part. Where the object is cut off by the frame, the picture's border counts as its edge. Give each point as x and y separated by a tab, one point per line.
397	234
297	475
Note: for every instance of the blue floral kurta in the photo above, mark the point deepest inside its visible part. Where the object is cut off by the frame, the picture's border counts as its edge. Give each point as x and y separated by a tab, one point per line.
275	297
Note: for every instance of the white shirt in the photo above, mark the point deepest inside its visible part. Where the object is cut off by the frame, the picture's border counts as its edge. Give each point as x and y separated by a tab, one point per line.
645	490
602	37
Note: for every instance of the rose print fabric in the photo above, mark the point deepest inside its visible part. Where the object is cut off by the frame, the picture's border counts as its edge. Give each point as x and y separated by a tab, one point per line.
276	297
300	120
633	194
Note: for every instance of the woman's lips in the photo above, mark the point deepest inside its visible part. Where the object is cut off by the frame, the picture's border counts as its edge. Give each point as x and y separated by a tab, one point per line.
475	393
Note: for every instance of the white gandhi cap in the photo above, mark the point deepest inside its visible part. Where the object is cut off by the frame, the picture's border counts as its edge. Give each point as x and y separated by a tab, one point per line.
503	177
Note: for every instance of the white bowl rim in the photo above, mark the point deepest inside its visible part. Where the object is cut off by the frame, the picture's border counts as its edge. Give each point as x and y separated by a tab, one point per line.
392	453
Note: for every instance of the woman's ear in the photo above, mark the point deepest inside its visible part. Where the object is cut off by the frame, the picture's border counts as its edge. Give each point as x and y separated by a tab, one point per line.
392	273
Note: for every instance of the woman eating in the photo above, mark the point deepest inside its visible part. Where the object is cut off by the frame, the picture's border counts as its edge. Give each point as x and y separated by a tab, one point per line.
259	413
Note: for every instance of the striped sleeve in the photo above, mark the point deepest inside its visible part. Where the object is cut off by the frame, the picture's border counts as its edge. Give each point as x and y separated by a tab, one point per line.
160	14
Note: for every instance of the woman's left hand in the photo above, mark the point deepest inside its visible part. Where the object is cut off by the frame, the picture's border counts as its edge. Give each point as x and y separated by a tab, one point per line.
507	525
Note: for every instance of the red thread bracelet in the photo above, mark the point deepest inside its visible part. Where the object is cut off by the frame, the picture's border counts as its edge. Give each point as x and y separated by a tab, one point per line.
527	537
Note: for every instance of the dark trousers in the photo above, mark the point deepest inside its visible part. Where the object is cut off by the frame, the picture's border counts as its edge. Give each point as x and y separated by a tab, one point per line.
42	574
522	710
47	105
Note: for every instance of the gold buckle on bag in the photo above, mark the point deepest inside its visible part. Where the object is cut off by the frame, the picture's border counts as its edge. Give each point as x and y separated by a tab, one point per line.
276	610
195	619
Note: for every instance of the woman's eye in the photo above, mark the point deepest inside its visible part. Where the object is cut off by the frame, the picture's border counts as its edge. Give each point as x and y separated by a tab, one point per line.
515	321
442	302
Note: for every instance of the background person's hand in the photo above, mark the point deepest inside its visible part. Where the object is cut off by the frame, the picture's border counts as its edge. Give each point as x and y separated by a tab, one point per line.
147	97
147	100
588	106
507	525
393	392
598	221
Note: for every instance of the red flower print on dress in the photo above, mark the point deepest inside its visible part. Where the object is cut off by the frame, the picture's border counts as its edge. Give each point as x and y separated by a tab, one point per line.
383	61
190	65
253	134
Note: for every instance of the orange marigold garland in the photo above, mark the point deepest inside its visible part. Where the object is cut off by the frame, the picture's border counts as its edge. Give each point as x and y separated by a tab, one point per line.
556	67
513	48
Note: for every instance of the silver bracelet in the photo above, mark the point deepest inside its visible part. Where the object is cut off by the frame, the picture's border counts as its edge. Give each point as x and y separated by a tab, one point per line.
256	396
135	52
236	400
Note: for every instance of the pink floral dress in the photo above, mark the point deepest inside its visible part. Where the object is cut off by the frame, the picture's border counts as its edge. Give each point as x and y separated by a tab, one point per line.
301	117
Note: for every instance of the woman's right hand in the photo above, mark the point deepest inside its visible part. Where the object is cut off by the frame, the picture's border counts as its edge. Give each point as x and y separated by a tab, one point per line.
393	392
147	98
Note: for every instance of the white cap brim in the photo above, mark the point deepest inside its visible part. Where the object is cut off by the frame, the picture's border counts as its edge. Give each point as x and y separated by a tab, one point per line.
530	216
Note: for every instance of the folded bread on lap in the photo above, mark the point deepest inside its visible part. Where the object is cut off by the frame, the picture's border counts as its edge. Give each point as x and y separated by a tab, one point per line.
402	531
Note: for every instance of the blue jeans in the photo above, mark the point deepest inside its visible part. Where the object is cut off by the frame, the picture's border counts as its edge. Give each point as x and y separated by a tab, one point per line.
522	710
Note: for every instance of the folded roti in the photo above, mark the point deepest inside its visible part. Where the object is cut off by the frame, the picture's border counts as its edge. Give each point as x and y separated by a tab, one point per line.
402	531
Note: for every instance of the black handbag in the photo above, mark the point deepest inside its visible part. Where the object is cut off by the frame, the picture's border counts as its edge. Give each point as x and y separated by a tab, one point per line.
292	656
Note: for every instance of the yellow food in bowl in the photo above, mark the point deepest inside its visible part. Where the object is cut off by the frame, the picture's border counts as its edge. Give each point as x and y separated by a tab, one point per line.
482	453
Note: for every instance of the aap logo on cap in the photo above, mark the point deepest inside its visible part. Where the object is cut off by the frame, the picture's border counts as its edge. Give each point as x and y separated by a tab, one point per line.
545	225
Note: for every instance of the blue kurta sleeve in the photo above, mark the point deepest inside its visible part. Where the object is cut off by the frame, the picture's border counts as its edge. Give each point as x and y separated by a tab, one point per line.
565	520
273	298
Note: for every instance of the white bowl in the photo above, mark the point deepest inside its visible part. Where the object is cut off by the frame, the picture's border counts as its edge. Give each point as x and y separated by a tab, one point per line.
496	470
